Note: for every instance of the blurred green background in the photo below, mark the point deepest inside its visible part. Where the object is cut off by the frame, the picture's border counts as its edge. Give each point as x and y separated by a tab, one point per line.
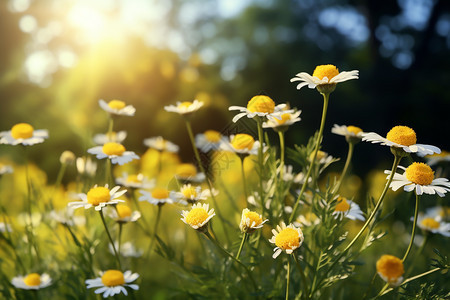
58	57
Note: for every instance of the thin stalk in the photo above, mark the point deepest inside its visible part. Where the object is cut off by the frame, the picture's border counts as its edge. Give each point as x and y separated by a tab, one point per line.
110	126
417	254
281	136
244	237
159	163
158	216
302	276
313	159
351	147
261	162
413	233
120	236
244	181
110	239
108	172
287	278
397	159
313	286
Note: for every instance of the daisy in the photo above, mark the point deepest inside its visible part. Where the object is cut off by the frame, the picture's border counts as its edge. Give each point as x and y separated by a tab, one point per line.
113	282
115	137
122	213
136	181
288	175
286	238
401	137
433	224
435	159
241	143
161	144
85	165
198	217
5	169
191	194
439	212
117	107
127	249
98	197
209	140
261	106
32	281
66	217
158	196
390	269
351	133
307	219
349	209
419	177
322	157
67	158
323	76
115	152
184	108
250	221
24	134
188	172
287	119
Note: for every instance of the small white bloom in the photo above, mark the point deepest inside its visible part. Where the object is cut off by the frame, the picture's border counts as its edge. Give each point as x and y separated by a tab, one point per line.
286	238
348	209
188	172
209	140
127	249
191	194
160	144
322	75
136	181
85	165
122	213
32	281
184	108
250	221
198	217
349	132
158	196
435	159
115	152
261	106
113	282
98	197
117	107
241	143
287	119
23	134
433	224
114	137
67	217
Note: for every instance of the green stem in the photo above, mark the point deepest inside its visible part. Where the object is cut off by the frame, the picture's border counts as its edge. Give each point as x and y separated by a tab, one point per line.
158	216
416	212
110	239
313	159
110	126
351	146
281	136
244	181
261	162
418	253
287	278
120	236
313	286
244	237
302	275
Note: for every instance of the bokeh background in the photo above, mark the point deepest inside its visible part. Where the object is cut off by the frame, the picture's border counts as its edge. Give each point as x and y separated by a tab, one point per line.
59	57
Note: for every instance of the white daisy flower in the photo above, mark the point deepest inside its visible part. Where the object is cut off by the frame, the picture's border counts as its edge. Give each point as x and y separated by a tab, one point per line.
198	217
158	196
32	281
323	158
98	197
5	227
401	137
241	143
122	213
188	172
289	175
117	107
66	216
390	269
351	133
439	212
209	140
114	137
113	282
127	249
324	75
136	181
161	144
115	152
419	177
307	219
286	238
250	221
23	134
287	119
261	106
184	108
191	194
435	159
433	224
85	165
5	169
348	209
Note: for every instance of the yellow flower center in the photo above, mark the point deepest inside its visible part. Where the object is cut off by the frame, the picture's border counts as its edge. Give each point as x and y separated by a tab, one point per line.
262	104
254	217
288	238
342	205
284	119
113	149
113	278
123	210
402	135
430	223
320	155
390	267
242	141
185	104
33	279
419	173
353	129
186	170
159	193
212	136
22	131
442	154
134	178
97	195
189	192
196	216
116	104
328	71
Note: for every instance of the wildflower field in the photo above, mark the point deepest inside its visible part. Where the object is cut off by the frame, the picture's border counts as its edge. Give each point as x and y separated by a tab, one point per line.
166	171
